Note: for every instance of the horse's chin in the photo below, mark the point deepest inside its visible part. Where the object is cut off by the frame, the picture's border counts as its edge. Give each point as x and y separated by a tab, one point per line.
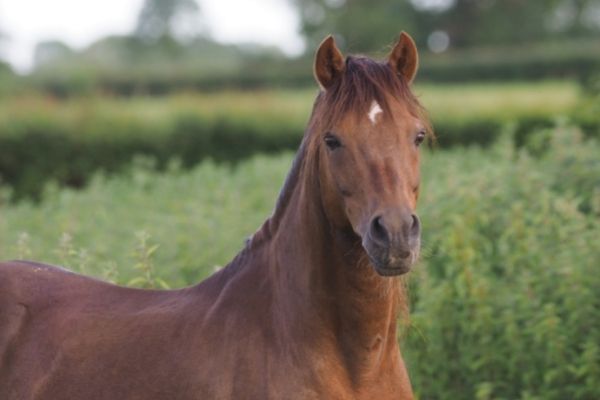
386	264
392	267
387	261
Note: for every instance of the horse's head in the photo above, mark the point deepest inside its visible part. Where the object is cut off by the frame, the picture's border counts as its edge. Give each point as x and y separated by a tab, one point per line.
368	127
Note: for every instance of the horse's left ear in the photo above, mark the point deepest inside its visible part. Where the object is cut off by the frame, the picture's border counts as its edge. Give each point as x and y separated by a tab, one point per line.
404	58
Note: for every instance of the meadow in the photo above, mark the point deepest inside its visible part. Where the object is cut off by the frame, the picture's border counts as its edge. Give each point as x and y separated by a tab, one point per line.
505	301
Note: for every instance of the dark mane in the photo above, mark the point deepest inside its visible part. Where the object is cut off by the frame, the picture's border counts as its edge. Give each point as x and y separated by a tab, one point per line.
363	81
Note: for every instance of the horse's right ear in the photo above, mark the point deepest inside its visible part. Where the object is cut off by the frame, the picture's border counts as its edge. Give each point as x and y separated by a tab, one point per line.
404	58
329	63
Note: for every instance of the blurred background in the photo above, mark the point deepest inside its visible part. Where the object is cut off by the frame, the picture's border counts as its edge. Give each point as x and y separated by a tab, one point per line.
142	140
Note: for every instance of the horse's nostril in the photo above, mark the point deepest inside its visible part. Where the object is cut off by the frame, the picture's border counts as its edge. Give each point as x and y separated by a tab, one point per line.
416	226
378	231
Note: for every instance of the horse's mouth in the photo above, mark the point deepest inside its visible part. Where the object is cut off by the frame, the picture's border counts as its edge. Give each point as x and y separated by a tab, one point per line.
392	267
386	264
396	258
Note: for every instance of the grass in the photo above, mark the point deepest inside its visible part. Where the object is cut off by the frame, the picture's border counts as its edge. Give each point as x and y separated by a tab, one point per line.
508	100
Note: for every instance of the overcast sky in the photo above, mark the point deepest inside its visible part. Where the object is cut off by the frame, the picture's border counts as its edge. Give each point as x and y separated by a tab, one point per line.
80	22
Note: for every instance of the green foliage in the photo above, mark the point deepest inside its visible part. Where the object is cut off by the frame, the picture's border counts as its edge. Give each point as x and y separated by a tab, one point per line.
67	141
129	65
506	299
525	61
126	67
506	302
8	79
199	218
144	253
366	25
161	18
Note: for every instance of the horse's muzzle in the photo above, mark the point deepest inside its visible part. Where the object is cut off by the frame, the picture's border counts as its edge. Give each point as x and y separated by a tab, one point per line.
392	241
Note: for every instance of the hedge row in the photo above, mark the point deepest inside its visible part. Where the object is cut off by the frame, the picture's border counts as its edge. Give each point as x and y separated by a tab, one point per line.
36	151
569	59
64	84
67	150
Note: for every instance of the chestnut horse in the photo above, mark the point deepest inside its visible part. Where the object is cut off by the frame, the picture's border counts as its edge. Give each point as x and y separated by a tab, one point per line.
307	310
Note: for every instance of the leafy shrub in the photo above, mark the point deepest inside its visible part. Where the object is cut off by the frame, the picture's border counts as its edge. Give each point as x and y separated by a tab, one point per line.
506	299
506	303
199	218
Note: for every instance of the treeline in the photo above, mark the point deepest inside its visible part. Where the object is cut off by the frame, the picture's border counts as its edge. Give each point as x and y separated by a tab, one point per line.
206	67
459	41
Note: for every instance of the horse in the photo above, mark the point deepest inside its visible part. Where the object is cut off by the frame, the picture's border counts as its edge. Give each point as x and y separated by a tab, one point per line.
308	309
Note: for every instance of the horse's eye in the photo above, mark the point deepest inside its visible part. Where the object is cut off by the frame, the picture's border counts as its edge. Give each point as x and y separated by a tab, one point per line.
332	142
420	138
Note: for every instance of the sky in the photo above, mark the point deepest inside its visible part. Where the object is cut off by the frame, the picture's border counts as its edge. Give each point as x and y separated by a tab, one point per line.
80	22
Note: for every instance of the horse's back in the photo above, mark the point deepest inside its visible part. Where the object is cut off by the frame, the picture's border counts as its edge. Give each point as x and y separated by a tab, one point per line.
24	286
32	288
63	335
28	279
28	293
13	308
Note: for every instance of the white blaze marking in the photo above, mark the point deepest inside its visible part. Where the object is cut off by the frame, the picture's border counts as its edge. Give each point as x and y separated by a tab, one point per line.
374	111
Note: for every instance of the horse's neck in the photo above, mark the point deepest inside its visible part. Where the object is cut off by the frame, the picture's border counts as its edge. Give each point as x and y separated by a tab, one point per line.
323	281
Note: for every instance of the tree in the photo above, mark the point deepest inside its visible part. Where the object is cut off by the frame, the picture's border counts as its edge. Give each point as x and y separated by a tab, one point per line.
366	26
3	38
361	25
170	19
50	52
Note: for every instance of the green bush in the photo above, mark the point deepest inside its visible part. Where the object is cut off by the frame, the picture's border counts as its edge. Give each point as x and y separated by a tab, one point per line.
200	218
529	126
478	130
68	150
506	303
506	299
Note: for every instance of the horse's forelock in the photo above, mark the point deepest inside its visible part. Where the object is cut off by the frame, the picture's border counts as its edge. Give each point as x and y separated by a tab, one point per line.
365	80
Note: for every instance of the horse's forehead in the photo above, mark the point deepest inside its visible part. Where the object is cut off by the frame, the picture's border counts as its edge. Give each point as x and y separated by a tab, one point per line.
393	111
379	135
387	121
374	112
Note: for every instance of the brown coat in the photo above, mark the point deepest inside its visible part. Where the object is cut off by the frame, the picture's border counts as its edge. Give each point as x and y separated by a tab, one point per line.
300	313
